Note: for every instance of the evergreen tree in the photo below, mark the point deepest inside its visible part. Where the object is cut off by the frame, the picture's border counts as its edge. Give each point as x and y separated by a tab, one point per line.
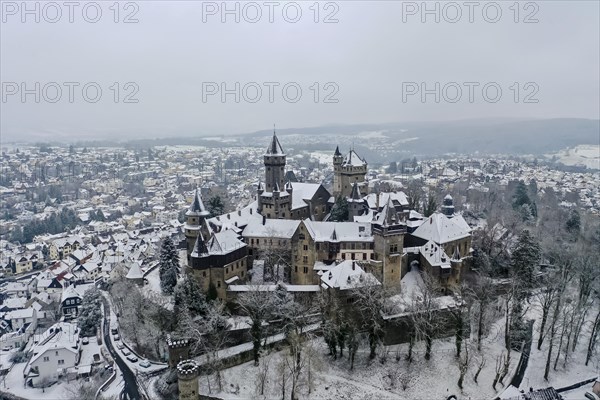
573	224
520	197
46	252
216	206
169	266
188	295
339	213
89	313
212	292
525	258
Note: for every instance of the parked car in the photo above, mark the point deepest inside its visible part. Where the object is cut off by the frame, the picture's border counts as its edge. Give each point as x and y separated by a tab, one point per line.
132	358
116	337
145	363
591	396
120	346
114	331
85	340
125	352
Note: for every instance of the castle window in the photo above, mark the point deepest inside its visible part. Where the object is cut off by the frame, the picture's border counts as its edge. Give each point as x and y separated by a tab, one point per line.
352	256
257	241
318	246
305	247
306	270
296	268
227	270
218	284
304	259
343	256
364	256
242	274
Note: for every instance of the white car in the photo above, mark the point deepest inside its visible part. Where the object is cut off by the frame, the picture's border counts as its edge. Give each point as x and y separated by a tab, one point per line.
125	352
132	358
120	346
145	364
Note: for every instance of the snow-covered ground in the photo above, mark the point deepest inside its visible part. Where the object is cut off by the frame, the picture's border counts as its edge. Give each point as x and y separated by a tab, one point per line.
574	371
332	379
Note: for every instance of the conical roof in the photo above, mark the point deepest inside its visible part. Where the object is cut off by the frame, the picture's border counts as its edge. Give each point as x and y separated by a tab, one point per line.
275	147
197	206
200	248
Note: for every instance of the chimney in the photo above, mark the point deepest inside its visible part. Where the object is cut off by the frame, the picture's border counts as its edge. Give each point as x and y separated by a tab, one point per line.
240	213
264	220
250	211
353	266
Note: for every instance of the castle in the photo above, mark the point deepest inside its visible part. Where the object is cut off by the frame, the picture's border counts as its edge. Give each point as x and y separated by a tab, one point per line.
382	236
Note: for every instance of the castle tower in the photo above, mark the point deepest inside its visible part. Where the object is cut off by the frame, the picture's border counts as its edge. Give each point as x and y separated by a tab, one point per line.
337	168
195	222
275	197
448	206
187	374
388	236
178	350
274	160
348	170
356	203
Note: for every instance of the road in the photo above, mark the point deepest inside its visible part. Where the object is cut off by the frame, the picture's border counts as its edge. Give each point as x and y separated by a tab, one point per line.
130	390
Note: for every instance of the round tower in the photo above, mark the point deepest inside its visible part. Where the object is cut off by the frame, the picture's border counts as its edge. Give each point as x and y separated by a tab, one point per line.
187	374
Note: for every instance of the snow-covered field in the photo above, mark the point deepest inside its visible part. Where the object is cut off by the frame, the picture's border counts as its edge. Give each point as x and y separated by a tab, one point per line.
585	154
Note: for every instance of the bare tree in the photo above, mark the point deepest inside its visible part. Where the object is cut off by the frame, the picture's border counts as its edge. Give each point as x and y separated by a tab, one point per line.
482	362
263	374
257	303
463	366
209	335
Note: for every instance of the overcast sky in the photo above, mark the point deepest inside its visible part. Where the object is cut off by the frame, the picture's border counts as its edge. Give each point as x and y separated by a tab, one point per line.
373	56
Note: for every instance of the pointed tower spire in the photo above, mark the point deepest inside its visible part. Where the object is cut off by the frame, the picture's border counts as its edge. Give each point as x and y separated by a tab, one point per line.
337	151
274	147
197	207
200	248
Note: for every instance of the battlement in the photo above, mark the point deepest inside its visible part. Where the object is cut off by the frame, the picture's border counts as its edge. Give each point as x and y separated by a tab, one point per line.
177	343
188	369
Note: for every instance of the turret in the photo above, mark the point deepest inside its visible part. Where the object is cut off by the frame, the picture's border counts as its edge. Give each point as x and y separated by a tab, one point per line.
187	374
195	221
448	206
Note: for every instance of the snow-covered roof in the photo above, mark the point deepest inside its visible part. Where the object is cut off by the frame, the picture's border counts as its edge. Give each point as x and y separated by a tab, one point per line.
135	272
348	275
237	218
322	231
271	228
354	160
441	229
224	242
398	198
302	193
62	335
